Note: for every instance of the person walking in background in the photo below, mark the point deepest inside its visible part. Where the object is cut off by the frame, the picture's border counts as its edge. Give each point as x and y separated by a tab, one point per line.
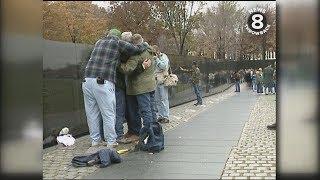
99	85
237	79
195	80
268	79
274	89
162	64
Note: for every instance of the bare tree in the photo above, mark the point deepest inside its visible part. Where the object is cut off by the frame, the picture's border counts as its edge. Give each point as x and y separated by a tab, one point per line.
179	17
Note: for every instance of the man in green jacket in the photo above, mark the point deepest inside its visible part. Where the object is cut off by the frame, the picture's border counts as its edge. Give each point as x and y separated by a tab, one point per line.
141	85
126	106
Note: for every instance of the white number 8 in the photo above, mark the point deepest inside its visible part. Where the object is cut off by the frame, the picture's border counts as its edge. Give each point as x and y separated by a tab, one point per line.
257	19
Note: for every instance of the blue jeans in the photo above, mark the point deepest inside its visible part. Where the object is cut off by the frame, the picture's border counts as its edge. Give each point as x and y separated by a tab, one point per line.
162	101
133	115
268	87
197	91
147	107
120	111
100	105
237	86
254	85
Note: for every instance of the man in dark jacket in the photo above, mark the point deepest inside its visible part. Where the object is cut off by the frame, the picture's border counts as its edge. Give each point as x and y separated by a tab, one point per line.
237	80
195	79
268	79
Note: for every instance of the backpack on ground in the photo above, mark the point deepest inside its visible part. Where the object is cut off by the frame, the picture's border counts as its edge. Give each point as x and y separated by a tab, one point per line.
151	138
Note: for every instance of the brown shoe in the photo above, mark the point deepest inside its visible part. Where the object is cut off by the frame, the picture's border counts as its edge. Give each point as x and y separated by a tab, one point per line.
127	135
134	138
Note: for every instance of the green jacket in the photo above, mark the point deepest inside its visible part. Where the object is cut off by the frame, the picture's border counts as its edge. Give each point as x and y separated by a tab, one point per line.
195	75
268	75
259	78
139	82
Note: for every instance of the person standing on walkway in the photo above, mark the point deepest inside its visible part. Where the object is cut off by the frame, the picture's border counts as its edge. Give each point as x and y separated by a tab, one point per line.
142	85
274	89
162	64
268	79
99	85
195	79
120	90
248	78
237	79
254	81
259	81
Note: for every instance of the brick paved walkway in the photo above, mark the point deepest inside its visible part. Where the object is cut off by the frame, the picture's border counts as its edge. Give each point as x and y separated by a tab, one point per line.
255	155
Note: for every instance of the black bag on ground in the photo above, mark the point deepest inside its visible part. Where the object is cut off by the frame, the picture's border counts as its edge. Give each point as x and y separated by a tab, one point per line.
155	141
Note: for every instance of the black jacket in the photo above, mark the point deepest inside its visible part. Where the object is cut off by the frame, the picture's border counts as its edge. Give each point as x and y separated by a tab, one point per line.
103	157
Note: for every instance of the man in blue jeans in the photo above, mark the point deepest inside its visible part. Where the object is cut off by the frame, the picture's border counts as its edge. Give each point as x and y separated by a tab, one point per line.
99	86
141	85
126	106
195	79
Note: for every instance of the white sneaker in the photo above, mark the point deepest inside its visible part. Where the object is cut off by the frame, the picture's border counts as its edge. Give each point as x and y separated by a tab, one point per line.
95	143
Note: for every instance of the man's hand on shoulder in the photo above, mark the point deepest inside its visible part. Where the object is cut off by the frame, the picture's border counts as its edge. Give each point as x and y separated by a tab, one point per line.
146	63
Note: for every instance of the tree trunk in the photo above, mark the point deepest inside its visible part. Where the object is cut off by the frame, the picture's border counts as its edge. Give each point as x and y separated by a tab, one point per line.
264	47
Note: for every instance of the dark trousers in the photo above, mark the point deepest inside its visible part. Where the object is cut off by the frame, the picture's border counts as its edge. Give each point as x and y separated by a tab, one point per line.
133	114
120	111
259	88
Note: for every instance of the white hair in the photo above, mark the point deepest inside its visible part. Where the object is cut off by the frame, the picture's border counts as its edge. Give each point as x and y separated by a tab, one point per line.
126	36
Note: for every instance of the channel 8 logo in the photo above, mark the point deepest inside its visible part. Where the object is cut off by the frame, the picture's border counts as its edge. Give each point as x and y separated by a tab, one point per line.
257	22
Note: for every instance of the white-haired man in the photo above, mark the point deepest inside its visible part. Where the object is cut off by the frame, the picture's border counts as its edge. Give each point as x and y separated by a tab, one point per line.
120	90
